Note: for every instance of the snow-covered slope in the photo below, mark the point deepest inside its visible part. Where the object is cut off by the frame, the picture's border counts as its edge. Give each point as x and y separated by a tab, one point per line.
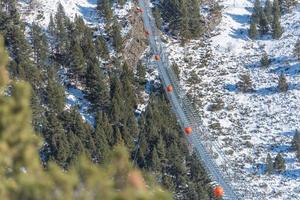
250	125
39	11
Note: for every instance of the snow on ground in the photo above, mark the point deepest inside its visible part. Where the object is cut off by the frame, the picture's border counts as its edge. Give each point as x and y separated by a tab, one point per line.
250	125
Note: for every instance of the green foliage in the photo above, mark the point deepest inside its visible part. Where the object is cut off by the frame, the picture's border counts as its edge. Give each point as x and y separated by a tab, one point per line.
296	144
116	36
55	96
245	83
279	164
101	47
269	164
277	29
297	49
268	9
104	7
253	30
77	62
282	83
40	45
183	17
265	61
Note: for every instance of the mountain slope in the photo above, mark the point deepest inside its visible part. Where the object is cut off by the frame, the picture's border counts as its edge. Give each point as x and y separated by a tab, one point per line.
248	126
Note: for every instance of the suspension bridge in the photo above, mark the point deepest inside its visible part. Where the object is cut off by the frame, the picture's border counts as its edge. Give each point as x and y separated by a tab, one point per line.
187	117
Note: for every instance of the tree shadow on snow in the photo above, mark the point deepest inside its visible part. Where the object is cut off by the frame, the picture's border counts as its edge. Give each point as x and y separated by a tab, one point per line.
262	91
289	70
292	173
88	13
241	19
280	148
241	33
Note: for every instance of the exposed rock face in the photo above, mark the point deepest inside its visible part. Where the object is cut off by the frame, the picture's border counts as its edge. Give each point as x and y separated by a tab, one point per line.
136	41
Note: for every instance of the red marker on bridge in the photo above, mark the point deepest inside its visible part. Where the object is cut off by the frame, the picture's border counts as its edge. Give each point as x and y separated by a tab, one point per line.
157	57
218	191
170	88
188	130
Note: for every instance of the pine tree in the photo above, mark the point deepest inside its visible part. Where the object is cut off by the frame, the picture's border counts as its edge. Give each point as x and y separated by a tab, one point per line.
97	88
104	7
263	23
277	29
155	161
296	140
116	35
256	12
176	70
296	144
61	21
245	83
21	172
56	138
269	164
268	9
253	30
121	2
40	45
102	145
141	74
194	18
297	49
55	96
282	83
184	24
279	164
77	64
265	61
101	47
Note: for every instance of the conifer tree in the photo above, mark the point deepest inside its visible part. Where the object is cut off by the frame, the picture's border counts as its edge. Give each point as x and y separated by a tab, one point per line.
56	138
21	172
279	164
77	64
265	61
155	161
102	145
61	30
116	35
296	144
101	47
277	29
97	88
269	164
40	45
297	49
282	83
55	96
103	122
253	30
256	12
121	2
263	24
184	24
104	7
268	9
141	74
245	83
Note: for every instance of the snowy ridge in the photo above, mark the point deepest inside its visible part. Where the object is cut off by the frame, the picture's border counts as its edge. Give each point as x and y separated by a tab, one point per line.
250	125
